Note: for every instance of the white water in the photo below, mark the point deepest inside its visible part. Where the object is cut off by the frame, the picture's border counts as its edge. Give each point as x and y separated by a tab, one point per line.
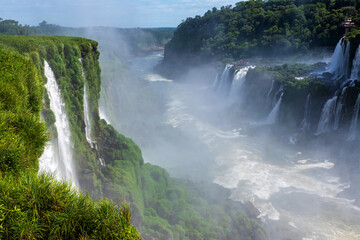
224	83
327	116
305	123
57	157
274	114
353	132
86	110
340	60
356	66
347	59
276	96
339	109
288	189
268	96
237	83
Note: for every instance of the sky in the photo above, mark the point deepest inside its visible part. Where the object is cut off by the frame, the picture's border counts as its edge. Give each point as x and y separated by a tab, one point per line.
114	13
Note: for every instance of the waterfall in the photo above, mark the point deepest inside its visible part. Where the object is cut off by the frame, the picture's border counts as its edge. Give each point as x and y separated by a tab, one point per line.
273	115
354	121
347	60
216	81
237	83
327	116
356	66
268	96
57	157
305	123
224	83
86	111
276	96
340	60
339	108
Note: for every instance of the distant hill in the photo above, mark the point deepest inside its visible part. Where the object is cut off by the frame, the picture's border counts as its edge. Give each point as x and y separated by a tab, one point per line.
257	27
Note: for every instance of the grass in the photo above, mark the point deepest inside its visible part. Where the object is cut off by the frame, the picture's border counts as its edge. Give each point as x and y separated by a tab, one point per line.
36	206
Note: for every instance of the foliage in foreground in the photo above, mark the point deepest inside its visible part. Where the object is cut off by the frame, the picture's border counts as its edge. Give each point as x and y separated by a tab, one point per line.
163	209
36	206
39	207
22	136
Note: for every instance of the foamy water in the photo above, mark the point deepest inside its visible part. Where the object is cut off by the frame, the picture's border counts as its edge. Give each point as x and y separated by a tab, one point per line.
294	191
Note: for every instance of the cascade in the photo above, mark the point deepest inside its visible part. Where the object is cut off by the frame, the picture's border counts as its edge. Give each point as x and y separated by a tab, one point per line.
356	66
57	157
238	82
224	83
347	60
354	121
276	96
340	60
327	116
273	115
216	81
305	123
339	108
268	96
86	111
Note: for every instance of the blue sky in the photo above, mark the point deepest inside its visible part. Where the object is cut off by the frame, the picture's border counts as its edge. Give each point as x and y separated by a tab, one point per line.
116	13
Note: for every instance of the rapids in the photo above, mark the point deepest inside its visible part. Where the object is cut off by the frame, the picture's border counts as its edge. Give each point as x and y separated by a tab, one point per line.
296	192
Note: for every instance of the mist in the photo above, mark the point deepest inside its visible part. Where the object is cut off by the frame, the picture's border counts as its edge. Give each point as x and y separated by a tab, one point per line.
277	134
195	131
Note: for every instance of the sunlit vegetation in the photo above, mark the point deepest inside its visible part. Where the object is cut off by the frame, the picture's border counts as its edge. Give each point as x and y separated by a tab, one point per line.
32	206
295	89
36	206
22	136
258	27
162	208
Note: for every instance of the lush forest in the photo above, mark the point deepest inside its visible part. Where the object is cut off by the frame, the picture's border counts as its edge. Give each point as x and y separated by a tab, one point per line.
258	27
32	205
161	207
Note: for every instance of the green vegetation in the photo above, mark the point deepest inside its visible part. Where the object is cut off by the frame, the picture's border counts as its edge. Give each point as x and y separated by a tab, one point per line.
36	206
39	207
133	40
165	208
22	136
259	81
258	27
162	207
63	54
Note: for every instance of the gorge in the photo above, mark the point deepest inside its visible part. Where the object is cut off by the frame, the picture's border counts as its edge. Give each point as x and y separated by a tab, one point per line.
245	126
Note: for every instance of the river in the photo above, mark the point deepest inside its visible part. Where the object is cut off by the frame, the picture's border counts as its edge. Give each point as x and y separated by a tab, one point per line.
296	191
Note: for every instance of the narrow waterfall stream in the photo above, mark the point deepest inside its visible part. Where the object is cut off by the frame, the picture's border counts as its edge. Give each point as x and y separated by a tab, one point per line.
86	110
273	115
57	157
353	131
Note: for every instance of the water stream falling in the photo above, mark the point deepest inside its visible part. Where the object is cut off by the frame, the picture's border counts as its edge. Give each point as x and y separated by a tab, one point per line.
237	83
268	96
224	82
274	114
339	109
86	111
305	123
57	157
340	60
356	66
327	116
354	121
347	60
